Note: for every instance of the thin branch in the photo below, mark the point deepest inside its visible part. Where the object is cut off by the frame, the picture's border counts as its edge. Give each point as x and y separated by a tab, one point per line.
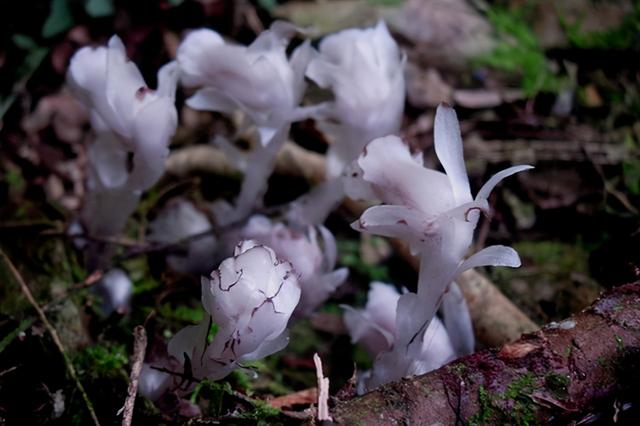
54	334
139	349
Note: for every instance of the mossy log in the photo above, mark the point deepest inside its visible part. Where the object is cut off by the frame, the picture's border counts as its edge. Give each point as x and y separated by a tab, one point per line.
584	367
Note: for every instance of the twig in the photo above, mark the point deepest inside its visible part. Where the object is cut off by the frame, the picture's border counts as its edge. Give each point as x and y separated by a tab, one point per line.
139	349
323	391
53	332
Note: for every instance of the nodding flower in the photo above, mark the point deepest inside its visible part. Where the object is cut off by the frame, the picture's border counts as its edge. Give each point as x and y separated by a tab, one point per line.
364	70
258	79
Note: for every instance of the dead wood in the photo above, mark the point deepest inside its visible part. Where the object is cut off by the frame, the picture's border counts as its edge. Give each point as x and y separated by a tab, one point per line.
584	366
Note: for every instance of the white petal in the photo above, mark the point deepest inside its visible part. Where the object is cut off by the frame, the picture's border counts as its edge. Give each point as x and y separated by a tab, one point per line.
448	145
191	342
153	128
124	85
437	347
268	347
457	320
210	99
495	179
108	158
491	256
389	166
402	222
365	331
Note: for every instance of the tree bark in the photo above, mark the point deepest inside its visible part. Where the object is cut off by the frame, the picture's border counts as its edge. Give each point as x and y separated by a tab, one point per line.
566	371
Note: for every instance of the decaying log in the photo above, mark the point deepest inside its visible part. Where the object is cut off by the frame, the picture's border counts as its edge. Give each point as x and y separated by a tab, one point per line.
496	319
581	367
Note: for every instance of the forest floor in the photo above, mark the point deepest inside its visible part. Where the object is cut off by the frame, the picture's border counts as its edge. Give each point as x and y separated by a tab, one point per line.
553	86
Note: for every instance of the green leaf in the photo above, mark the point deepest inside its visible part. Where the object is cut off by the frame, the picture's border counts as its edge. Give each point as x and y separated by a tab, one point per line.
60	19
99	8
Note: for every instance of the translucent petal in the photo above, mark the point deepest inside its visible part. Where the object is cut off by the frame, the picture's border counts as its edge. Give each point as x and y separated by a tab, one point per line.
457	320
491	256
495	179
448	145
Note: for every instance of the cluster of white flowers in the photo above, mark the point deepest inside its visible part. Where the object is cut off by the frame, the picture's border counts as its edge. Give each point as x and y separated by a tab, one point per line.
436	215
285	269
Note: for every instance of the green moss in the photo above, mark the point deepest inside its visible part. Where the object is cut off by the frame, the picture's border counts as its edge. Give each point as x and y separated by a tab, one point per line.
350	257
102	360
182	313
558	384
514	406
623	37
518	51
261	412
487	411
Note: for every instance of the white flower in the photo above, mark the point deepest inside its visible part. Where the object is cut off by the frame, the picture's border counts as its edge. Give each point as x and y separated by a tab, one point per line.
258	79
181	220
375	328
436	215
250	297
364	69
432	211
142	120
127	117
313	259
116	290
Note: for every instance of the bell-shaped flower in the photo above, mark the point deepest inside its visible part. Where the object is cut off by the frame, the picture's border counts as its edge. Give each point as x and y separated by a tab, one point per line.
180	221
250	298
432	211
375	327
364	70
312	252
258	79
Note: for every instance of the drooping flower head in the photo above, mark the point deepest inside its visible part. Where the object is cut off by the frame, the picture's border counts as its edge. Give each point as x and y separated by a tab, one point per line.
364	70
259	79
